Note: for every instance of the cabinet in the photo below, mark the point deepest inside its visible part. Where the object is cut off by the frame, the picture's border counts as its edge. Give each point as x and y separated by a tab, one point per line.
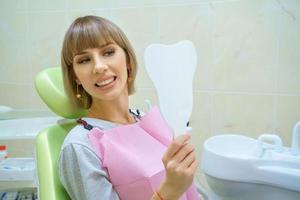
18	172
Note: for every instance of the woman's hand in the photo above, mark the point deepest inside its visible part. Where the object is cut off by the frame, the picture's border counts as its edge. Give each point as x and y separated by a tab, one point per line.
180	163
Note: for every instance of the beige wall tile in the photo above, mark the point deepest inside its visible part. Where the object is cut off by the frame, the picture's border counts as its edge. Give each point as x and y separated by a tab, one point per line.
250	115
10	6
289	48
134	3
175	25
140	43
142	78
45	40
245	39
44	5
20	96
13	42
181	2
90	4
20	5
72	15
200	120
14	48
288	114
136	21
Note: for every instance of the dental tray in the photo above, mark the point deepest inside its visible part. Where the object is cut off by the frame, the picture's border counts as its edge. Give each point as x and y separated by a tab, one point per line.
17	169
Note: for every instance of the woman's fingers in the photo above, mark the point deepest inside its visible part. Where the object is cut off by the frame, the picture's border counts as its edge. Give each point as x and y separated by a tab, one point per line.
175	146
183	152
188	160
180	164
194	166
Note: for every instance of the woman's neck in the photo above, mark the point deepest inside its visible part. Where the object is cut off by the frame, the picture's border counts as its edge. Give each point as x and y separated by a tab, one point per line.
116	111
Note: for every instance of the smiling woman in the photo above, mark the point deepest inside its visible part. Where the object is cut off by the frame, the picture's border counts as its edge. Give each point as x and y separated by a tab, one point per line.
80	47
109	72
116	153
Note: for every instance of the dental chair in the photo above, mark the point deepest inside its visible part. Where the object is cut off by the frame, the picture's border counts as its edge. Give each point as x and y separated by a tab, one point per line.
49	85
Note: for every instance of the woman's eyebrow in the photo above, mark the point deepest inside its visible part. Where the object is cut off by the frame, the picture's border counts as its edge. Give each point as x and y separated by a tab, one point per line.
80	53
100	47
105	45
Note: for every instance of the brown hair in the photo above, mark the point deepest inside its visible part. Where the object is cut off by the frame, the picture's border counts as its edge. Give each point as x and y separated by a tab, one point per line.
92	32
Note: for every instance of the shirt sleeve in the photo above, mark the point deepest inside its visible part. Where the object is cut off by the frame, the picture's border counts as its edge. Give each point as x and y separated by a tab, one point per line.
82	176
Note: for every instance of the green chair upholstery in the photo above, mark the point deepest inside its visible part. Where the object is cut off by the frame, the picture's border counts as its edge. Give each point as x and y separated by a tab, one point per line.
49	86
48	143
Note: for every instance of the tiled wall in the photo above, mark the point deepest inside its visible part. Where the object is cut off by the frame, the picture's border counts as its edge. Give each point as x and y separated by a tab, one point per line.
248	75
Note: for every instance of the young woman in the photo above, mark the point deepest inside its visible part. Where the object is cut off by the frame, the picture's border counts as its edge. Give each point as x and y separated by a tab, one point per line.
114	152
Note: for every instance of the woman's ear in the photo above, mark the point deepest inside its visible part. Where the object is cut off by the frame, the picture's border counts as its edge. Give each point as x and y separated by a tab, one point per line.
129	76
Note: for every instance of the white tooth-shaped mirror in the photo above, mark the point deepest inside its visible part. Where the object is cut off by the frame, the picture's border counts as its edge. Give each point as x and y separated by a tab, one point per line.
172	68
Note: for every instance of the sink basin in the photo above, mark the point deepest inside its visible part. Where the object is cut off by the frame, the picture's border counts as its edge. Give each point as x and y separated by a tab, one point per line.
238	159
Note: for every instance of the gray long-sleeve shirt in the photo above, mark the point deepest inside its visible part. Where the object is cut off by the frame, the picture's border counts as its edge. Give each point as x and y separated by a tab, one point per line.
80	168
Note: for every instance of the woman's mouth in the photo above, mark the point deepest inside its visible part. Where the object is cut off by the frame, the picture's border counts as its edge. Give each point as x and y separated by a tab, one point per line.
106	83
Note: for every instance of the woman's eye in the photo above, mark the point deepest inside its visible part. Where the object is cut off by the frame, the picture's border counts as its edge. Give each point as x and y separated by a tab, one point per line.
109	52
83	61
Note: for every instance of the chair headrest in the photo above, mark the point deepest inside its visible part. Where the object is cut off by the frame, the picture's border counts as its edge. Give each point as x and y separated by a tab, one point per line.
49	85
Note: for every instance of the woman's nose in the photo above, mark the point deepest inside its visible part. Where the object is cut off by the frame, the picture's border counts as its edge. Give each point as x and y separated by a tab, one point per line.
99	66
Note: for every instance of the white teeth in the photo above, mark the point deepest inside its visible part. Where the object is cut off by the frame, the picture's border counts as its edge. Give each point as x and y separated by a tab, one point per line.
102	83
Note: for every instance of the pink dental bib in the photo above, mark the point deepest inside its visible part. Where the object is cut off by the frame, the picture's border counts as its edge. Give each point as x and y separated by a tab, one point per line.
131	155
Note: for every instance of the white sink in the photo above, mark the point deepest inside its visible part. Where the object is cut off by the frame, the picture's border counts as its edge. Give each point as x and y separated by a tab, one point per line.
239	159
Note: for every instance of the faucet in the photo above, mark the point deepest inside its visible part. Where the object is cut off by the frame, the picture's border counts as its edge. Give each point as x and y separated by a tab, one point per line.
295	140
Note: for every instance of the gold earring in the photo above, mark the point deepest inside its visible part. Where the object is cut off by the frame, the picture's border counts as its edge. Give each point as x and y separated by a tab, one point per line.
78	95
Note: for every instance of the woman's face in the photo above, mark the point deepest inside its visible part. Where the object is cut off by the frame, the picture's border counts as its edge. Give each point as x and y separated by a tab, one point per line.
102	71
